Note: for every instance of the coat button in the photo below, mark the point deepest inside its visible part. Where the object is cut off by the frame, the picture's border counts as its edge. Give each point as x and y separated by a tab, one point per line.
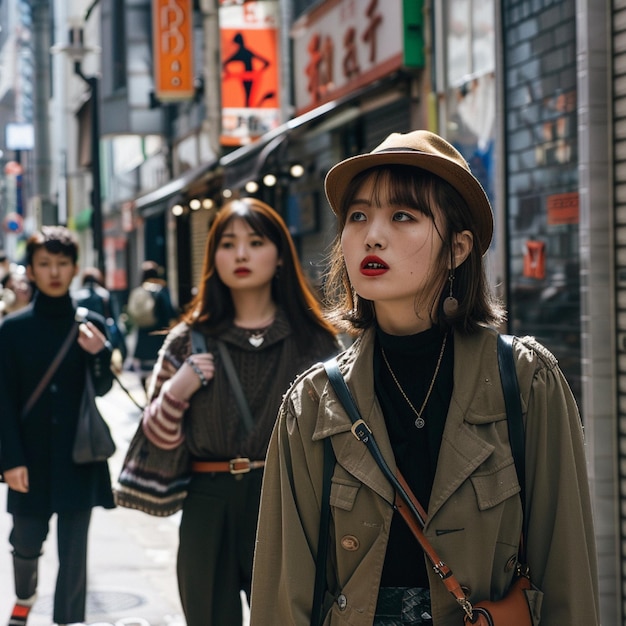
350	543
342	602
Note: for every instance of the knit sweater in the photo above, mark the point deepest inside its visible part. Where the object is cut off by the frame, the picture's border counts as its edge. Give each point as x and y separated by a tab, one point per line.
210	424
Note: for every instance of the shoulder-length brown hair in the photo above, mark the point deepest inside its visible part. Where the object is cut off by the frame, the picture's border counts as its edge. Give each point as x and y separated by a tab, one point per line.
213	304
434	197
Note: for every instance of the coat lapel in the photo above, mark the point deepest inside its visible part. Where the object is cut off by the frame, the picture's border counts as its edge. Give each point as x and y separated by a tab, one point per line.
462	449
333	420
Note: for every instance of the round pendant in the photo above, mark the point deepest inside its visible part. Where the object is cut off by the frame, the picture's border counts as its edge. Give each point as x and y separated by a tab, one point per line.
450	305
420	422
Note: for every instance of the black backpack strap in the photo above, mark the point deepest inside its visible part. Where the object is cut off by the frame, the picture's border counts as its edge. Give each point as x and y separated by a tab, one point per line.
513	404
322	542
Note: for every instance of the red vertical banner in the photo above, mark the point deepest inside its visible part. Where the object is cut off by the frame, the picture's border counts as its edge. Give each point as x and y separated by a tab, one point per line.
172	36
250	71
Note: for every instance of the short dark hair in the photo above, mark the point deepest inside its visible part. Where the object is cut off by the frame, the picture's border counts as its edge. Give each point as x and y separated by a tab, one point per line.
56	240
150	270
410	186
92	275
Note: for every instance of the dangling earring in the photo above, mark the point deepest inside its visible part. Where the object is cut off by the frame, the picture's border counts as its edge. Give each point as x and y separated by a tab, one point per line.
450	304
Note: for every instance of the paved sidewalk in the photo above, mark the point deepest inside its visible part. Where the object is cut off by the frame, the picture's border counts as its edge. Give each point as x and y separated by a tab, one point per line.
132	556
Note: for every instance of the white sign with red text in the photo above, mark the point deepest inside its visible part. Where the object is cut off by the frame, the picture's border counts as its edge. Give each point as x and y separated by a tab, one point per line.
343	45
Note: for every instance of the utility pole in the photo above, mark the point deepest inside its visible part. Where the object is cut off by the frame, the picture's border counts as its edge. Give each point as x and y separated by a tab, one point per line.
41	89
212	73
77	50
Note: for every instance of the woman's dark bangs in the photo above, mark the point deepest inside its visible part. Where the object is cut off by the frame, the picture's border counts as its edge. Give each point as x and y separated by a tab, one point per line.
391	185
262	226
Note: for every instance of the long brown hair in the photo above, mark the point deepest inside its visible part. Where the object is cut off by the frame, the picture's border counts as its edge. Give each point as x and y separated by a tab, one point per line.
413	187
213	304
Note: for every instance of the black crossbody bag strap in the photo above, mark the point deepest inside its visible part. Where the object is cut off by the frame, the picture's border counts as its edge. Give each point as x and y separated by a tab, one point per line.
324	531
52	368
244	409
514	415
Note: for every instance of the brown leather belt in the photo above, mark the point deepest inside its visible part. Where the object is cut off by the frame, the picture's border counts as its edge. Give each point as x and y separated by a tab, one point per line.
240	465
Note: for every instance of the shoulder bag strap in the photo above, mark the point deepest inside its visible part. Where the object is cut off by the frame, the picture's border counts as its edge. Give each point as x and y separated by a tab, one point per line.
405	502
322	541
52	368
514	415
244	409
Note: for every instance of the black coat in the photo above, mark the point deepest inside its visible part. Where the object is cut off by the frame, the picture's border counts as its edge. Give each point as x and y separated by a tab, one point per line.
42	440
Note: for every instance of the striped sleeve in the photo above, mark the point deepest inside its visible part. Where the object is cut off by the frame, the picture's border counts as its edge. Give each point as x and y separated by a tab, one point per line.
162	419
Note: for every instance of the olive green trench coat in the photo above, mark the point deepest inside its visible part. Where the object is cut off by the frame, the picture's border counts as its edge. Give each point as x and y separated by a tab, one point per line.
474	514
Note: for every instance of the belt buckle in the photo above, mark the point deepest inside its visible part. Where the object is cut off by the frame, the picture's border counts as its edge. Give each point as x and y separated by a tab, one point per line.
241	459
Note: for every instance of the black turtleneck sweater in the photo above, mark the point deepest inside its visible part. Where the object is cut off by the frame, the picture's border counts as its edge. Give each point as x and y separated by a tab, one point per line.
43	439
413	360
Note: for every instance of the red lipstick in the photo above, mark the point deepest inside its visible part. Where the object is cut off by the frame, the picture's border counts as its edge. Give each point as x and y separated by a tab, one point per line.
373	266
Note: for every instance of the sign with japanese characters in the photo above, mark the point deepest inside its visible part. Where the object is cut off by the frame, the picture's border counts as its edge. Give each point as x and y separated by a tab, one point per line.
250	71
343	45
172	35
563	208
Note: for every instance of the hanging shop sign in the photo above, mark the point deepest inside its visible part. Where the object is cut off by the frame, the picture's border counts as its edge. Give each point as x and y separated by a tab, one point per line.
535	260
250	71
343	46
563	208
172	36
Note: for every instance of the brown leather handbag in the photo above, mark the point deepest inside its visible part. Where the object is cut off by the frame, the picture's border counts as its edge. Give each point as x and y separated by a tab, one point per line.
512	610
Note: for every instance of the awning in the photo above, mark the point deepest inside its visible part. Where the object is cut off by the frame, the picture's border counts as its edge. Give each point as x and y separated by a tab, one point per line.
175	186
245	163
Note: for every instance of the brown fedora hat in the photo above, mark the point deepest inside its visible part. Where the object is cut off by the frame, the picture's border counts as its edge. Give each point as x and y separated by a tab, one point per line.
429	152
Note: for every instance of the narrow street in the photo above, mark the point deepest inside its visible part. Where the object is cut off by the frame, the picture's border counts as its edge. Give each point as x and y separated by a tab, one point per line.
132	561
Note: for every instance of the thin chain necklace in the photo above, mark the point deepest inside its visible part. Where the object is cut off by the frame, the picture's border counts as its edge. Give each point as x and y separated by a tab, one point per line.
419	422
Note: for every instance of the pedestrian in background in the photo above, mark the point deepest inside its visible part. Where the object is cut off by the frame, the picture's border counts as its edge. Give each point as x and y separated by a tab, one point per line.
36	442
94	296
16	292
5	264
254	299
409	281
151	312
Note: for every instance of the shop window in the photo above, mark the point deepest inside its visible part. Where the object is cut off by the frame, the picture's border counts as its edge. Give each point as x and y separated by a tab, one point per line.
466	82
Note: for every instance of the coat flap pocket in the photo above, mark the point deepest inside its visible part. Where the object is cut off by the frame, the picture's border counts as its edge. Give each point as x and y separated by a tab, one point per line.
494	487
343	493
484	417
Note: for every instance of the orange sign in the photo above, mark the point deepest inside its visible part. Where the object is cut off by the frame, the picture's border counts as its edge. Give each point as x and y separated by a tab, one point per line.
250	71
563	208
172	36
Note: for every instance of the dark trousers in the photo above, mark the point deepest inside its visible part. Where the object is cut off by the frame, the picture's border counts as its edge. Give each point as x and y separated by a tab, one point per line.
27	537
217	535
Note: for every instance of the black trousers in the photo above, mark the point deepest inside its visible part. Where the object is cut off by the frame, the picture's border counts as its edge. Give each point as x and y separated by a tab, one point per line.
27	537
217	535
